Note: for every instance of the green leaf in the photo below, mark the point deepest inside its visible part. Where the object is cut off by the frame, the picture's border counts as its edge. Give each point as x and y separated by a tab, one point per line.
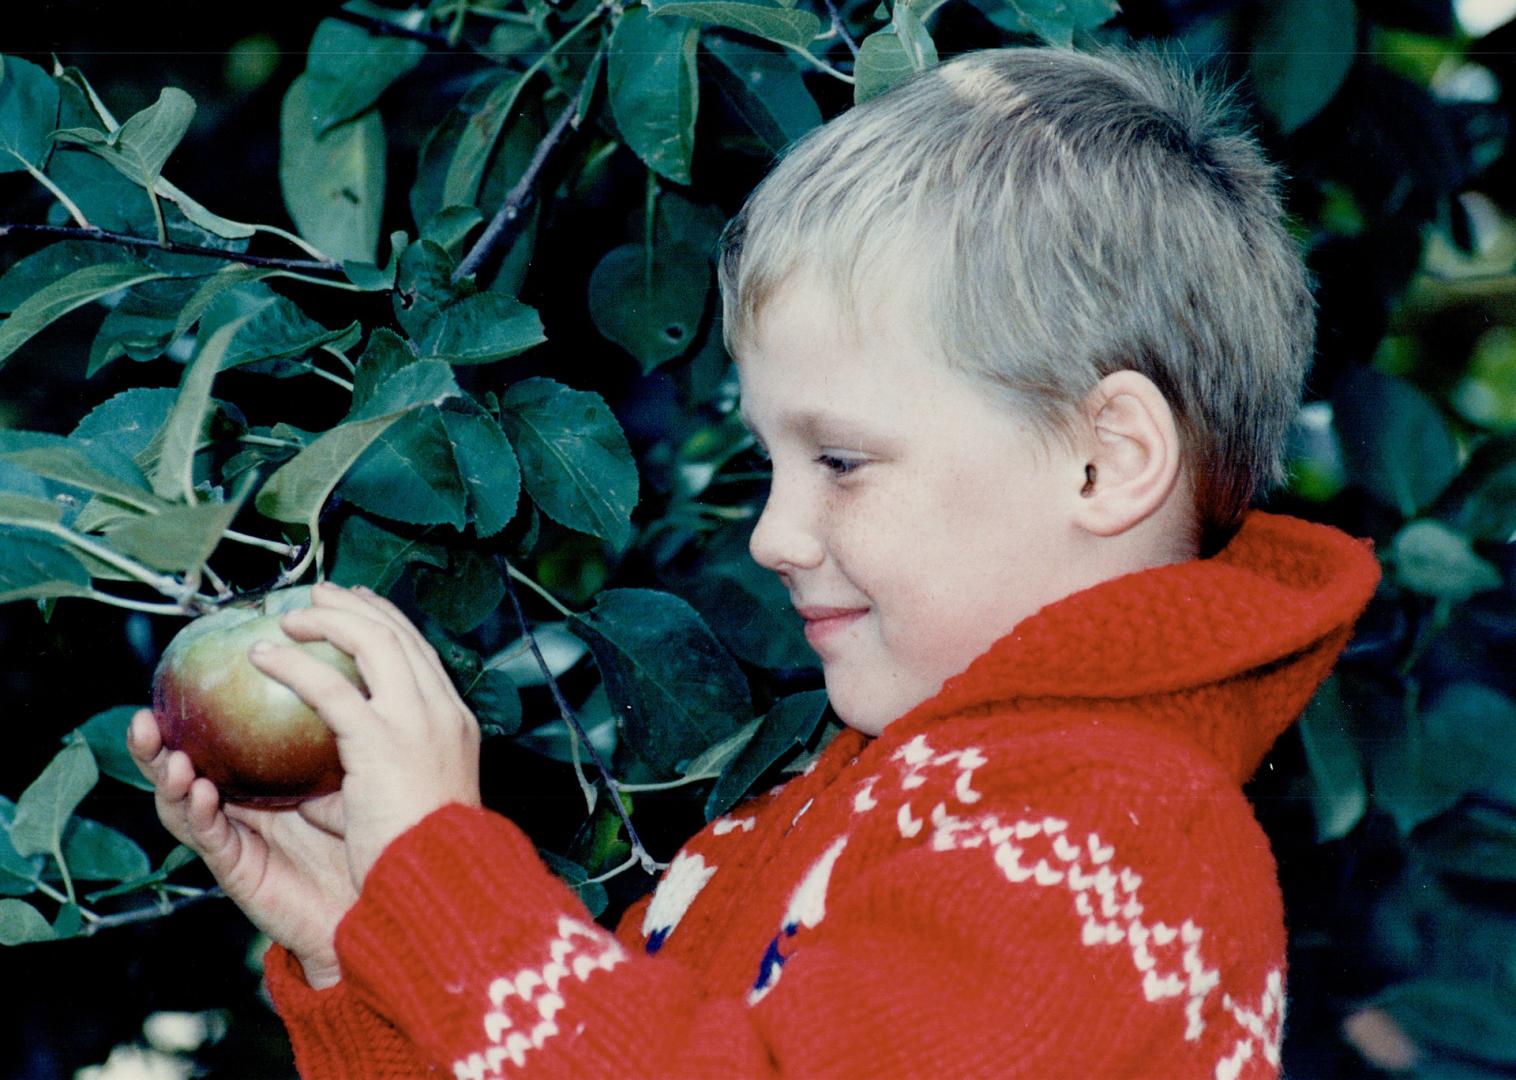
883	62
139	148
488	467
178	539
1301	53
32	568
1469	739
462	596
128	422
1432	559
90	466
1394	439
575	461
96	852
1341	795
18	875
175	476
28	114
386	353
333	184
1470	1018
1481	502
21	923
785	728
179	857
105	732
591	894
674	688
450	465
654	93
765	89
370	555
1052	20
495	700
476	142
480	329
653	312
298	490
45	806
914	39
424	287
786	25
450	226
1475	841
64	295
347	69
708	764
34	272
269	326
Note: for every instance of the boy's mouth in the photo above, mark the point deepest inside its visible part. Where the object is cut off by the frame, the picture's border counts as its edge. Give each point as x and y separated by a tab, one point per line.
822	623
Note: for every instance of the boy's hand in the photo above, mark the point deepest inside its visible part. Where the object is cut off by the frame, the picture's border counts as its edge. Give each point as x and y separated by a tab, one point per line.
411	746
287	869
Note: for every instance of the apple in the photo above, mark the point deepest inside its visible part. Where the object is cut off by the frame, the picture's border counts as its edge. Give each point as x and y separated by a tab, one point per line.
250	735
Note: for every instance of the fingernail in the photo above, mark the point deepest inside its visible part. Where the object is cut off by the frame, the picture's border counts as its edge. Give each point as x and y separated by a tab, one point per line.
259	648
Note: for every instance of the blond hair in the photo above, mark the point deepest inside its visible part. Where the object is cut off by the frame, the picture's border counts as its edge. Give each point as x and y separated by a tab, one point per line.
1058	216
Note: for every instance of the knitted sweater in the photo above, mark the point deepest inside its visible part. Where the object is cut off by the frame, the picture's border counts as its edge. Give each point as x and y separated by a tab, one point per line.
1048	869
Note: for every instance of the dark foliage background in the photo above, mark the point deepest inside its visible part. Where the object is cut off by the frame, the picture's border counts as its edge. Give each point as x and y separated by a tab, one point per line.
1392	806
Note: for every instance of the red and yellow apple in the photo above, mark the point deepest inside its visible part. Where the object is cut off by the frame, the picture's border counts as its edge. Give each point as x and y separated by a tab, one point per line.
252	736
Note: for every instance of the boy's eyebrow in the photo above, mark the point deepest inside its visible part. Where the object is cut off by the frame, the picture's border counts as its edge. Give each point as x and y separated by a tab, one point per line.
810	423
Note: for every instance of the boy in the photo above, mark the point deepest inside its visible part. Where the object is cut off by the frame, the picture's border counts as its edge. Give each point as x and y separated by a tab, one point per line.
1022	338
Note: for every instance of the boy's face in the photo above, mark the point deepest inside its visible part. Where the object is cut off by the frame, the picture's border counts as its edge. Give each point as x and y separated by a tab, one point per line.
913	518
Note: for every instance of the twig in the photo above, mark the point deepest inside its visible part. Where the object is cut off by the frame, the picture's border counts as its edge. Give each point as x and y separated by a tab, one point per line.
155	911
503	226
385	28
105	236
847	39
640	853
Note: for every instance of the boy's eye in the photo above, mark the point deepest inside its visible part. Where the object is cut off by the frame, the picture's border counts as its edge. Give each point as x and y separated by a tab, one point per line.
841	466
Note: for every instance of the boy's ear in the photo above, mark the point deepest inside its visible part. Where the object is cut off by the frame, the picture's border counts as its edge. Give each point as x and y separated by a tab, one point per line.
1131	454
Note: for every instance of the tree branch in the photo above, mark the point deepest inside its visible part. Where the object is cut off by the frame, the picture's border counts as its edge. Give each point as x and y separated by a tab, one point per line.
504	226
385	28
105	236
149	912
639	852
847	39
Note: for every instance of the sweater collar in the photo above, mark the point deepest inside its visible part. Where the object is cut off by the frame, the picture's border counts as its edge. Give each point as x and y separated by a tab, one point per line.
1225	651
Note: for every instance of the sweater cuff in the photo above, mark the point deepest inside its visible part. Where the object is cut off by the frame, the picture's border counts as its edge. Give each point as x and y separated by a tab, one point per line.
334	1034
449	905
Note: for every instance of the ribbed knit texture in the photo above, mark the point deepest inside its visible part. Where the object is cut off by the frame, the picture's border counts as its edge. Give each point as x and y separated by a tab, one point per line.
1047	870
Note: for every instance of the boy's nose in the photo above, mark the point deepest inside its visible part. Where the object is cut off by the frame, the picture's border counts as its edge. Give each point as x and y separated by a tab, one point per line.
784	538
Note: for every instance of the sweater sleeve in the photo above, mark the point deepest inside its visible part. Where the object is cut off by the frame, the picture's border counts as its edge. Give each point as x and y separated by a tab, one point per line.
332	1026
922	962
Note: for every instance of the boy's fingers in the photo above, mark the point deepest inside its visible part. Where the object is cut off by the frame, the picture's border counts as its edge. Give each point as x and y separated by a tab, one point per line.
322	687
376	648
326	813
368	603
145	742
394	662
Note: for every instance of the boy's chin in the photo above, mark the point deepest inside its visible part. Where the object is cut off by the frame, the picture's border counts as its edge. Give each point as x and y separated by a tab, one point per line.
864	709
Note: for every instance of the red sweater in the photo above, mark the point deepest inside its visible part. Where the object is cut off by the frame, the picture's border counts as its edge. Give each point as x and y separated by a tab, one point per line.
1048	869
